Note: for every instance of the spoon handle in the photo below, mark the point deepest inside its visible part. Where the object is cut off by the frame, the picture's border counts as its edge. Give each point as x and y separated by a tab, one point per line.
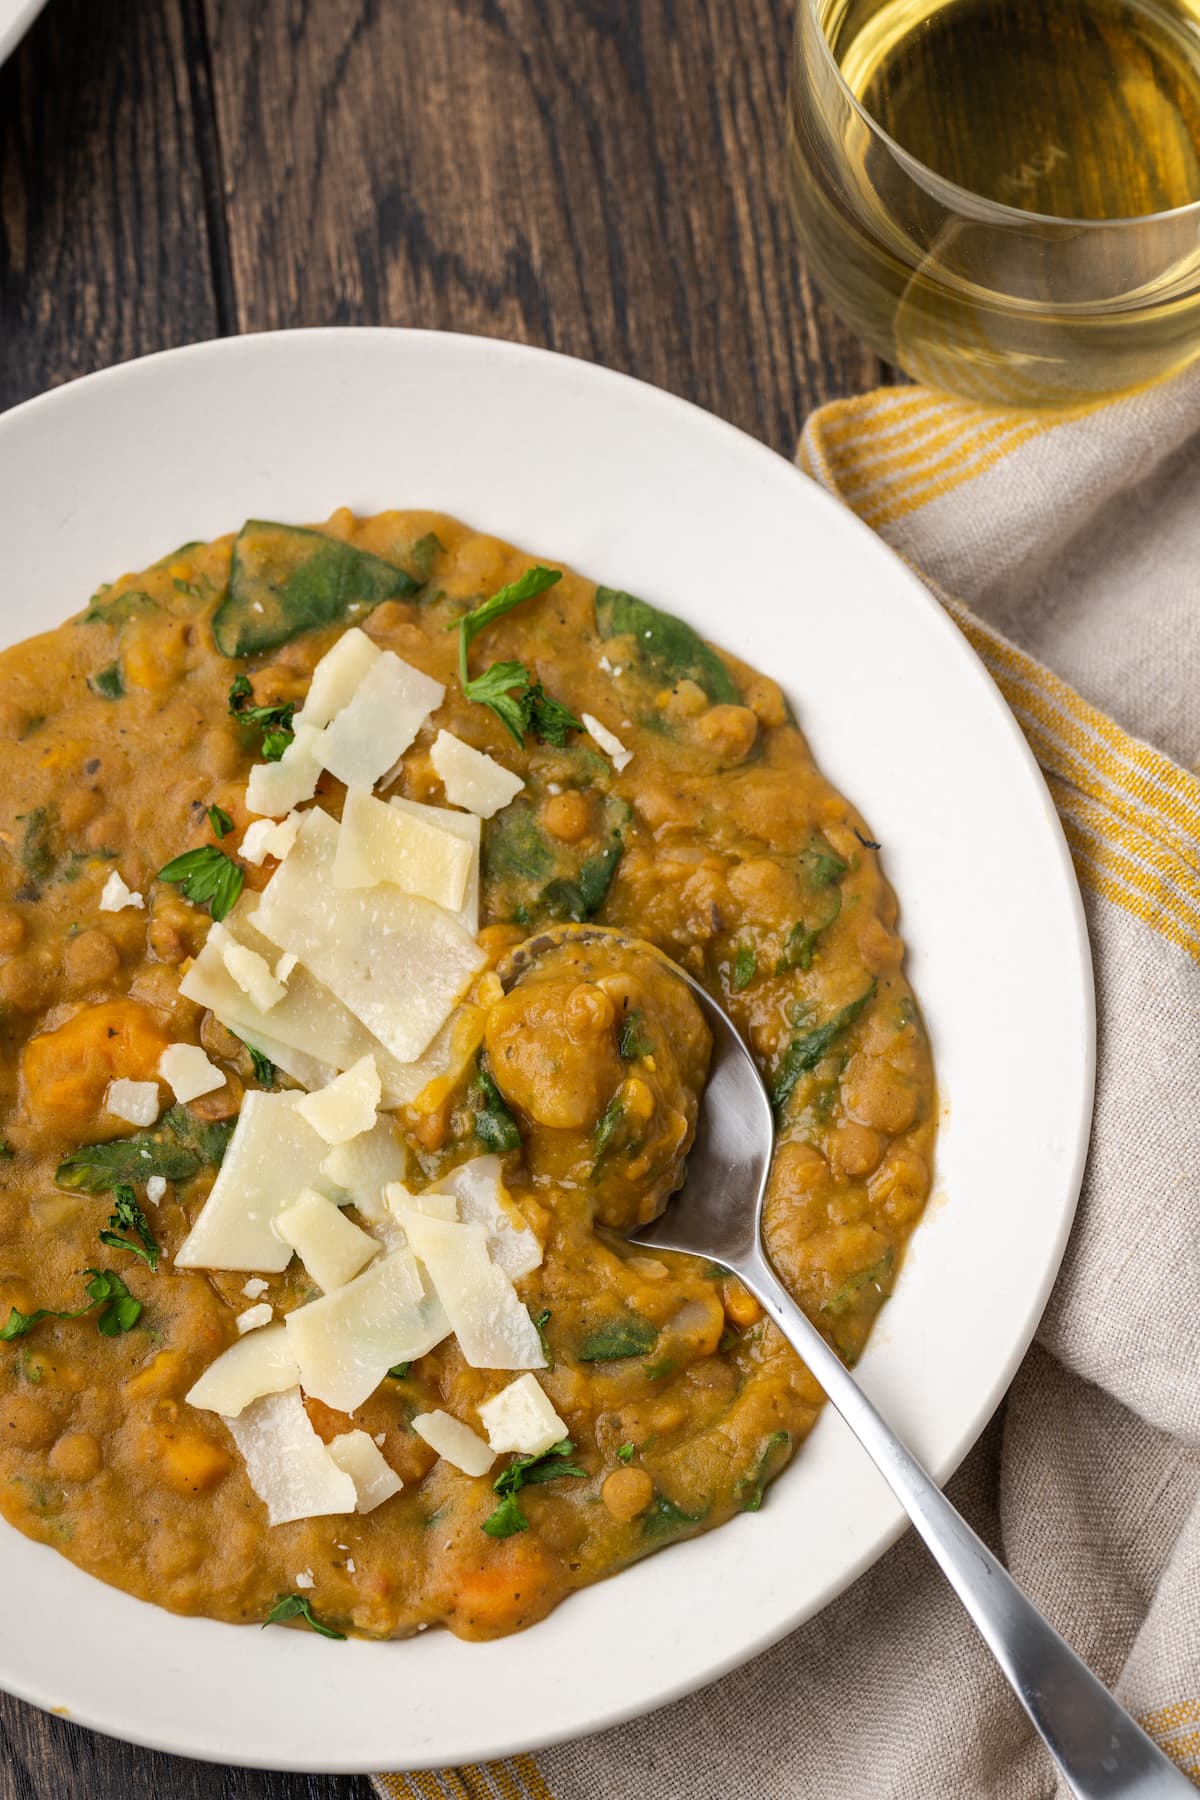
1099	1749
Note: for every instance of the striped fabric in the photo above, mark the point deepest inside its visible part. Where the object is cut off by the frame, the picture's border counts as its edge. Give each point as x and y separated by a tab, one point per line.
1067	541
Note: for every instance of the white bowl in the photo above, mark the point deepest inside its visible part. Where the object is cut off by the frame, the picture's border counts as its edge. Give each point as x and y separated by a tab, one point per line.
640	490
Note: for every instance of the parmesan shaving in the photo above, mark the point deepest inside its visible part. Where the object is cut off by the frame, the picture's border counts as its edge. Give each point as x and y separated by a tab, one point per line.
134	1101
287	1465
454	1441
346	1108
521	1418
374	1479
259	1364
330	1246
493	1329
188	1072
472	779
376	726
608	741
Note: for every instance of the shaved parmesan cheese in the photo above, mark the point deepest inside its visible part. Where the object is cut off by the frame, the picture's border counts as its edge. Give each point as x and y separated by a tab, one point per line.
346	1342
134	1101
610	744
493	1329
377	725
305	1069
337	676
115	896
254	1287
472	779
276	787
330	1246
304	1577
256	1316
259	1364
381	843
454	1441
288	1466
521	1418
156	1187
188	1072
265	838
285	966
272	1154
346	1108
429	1204
375	1480
484	1200
448	1056
363	1167
251	971
466	826
397	962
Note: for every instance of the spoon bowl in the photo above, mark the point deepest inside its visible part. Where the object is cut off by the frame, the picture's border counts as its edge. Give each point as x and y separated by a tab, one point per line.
1100	1750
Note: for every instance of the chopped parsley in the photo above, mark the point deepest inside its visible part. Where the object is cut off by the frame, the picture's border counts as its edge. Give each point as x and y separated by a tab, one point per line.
528	1471
264	1069
663	1518
533	581
617	1339
220	821
398	1371
177	1147
522	704
107	682
296	1606
206	877
119	1311
807	1048
274	721
625	1453
540	1323
633	1043
127	1216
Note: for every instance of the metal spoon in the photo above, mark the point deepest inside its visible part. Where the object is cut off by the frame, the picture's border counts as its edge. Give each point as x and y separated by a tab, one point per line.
1100	1750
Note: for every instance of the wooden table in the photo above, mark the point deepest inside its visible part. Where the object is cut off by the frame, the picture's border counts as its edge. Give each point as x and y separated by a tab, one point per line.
599	176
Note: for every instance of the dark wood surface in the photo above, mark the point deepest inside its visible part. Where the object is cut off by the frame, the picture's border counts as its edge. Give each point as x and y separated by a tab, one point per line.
599	176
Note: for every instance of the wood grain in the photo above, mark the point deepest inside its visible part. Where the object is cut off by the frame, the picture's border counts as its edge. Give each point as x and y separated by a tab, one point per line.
602	177
597	176
103	249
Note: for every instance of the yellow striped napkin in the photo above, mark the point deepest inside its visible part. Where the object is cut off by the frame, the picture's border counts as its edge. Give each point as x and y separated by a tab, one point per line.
1069	541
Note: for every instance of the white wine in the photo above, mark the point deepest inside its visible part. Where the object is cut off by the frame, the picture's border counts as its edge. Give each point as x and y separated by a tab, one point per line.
983	190
1086	109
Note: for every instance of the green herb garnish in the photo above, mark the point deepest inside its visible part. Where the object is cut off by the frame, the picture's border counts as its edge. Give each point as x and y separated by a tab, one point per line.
539	1325
618	1338
525	587
6	1150
107	682
522	704
275	722
127	1216
286	579
422	555
220	821
806	1050
495	1127
662	1518
751	1486
858	1286
633	1043
296	1606
264	1068
119	1311
745	967
206	877
658	1371
528	1471
398	1371
625	1453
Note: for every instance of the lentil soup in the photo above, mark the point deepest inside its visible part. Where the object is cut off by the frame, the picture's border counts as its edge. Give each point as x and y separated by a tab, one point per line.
572	1402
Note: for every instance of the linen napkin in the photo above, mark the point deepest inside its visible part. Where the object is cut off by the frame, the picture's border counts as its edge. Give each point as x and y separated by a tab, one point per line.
1067	542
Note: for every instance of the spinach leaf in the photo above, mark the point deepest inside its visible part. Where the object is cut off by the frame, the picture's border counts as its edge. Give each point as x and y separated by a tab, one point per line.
581	897
107	682
120	608
610	1128
822	864
176	1148
265	1072
495	1127
423	554
617	1339
858	1287
663	1518
670	649
296	1606
540	1322
801	945
528	877
37	846
745	967
769	1459
285	579
807	1048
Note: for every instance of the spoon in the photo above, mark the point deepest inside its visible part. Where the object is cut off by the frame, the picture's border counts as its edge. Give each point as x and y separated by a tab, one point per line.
1100	1750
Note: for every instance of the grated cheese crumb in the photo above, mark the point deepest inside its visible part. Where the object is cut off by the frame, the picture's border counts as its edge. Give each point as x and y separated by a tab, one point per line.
253	1317
304	1579
134	1101
608	741
351	1566
255	1287
115	896
156	1187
